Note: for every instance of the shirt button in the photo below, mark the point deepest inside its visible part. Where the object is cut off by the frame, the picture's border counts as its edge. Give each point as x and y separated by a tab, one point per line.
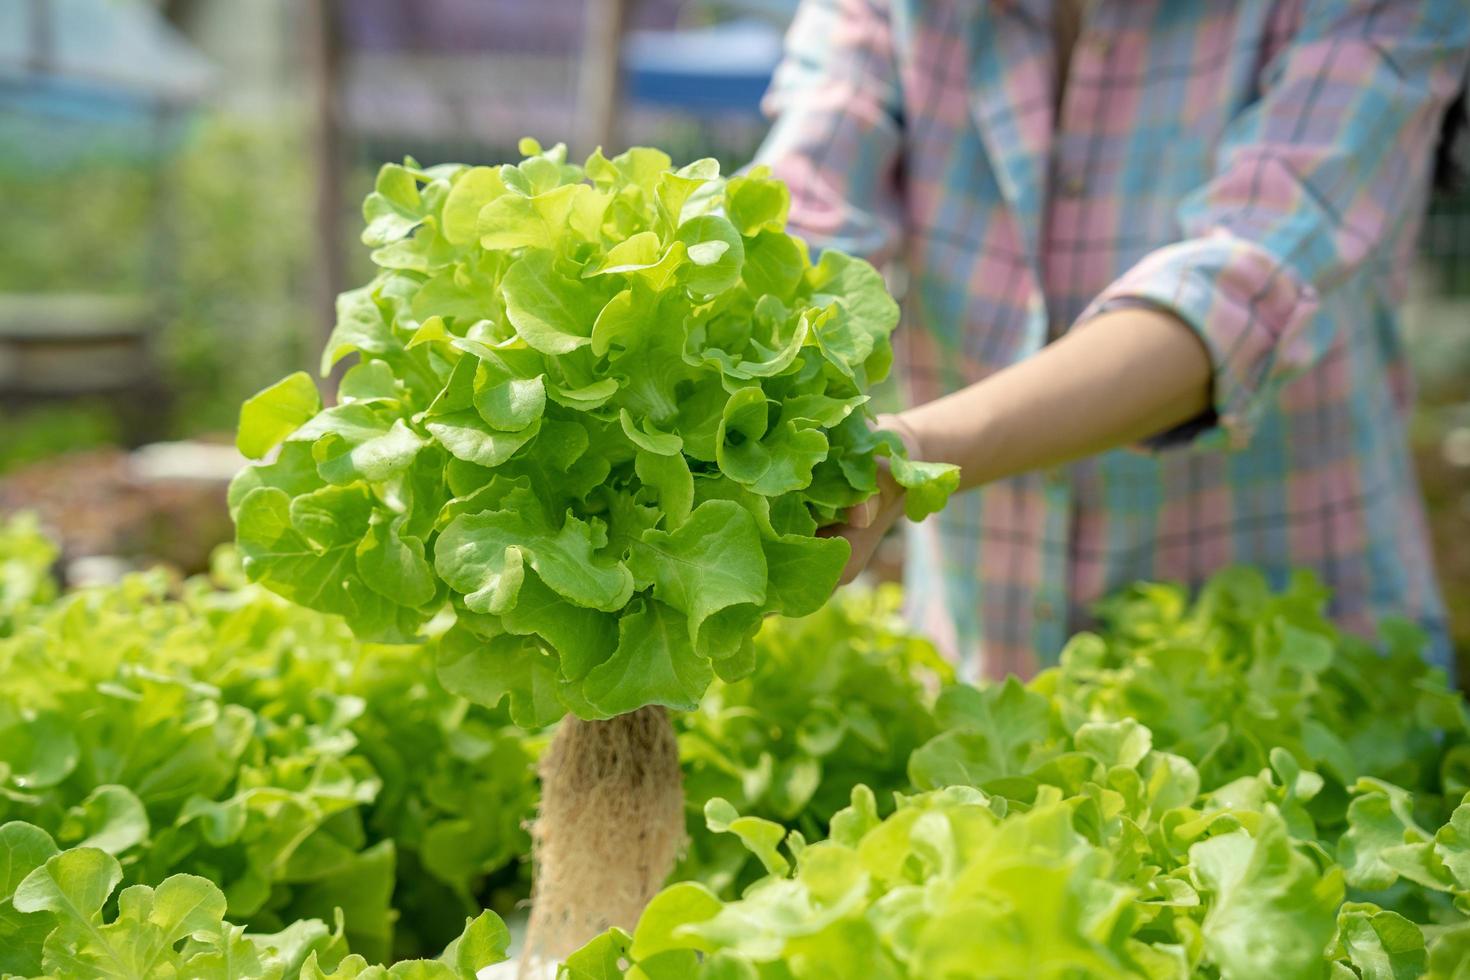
1072	185
1045	610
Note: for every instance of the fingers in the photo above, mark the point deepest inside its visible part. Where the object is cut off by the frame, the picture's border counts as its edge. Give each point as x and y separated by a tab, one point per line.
867	522
864	538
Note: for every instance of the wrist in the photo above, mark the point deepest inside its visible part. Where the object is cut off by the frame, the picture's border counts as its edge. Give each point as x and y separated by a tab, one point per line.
957	429
902	427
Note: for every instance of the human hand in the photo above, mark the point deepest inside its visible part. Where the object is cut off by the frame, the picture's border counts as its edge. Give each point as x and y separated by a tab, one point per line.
867	522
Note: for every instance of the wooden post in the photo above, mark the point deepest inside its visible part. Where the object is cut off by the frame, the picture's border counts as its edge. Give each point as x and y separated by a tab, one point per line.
41	43
324	58
599	80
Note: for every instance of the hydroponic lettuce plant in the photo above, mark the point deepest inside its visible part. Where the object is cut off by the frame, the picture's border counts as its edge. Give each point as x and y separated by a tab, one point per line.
600	411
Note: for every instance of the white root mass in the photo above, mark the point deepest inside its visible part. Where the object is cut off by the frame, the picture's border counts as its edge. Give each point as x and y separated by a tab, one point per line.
609	831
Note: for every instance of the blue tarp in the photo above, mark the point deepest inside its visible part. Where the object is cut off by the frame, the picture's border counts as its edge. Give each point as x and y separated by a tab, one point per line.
720	69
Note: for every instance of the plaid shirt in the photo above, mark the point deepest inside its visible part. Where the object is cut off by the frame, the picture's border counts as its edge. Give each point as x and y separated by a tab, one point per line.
1258	168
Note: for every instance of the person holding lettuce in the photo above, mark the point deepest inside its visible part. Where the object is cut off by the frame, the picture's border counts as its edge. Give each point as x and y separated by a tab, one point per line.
1154	257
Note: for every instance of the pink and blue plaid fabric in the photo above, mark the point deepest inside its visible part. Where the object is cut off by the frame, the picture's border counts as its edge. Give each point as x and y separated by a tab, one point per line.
1256	167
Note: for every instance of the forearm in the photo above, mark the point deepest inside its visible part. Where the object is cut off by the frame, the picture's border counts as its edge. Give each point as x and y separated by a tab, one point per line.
1118	378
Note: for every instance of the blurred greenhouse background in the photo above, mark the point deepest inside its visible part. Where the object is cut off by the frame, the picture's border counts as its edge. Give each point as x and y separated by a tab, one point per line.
182	180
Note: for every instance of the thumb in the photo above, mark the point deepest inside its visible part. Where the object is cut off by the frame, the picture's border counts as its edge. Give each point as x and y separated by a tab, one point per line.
863	514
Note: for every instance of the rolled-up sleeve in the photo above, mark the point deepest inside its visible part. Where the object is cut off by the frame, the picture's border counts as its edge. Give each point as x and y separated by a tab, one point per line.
836	124
1312	179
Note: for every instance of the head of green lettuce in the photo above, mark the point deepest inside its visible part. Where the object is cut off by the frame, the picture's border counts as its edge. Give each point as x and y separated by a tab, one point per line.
597	417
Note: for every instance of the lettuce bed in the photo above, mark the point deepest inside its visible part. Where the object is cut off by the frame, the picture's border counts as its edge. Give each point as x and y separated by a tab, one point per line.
1225	789
224	733
205	779
212	730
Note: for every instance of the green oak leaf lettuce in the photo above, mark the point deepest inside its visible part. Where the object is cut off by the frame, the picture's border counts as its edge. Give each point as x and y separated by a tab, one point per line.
598	411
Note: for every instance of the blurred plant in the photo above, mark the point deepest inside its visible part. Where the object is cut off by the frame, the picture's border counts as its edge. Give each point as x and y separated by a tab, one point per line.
1445	242
216	238
238	295
26	557
79	229
36	433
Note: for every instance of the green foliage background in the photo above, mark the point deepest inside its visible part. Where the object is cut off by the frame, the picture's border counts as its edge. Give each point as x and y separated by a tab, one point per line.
212	238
